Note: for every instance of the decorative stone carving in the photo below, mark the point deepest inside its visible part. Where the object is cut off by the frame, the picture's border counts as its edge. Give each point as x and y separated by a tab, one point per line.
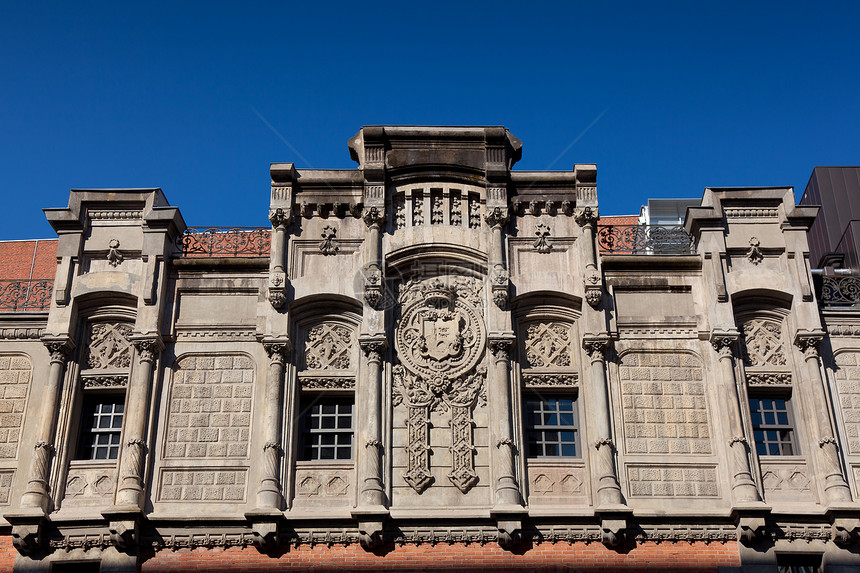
373	287
542	244
329	347
114	257
280	217
277	289
110	381
456	213
399	213
754	254
537	381
497	217
327	245
763	343
724	343
437	210
417	210
809	342
322	484
586	216
373	216
769	378
474	212
439	340
547	345
109	346
500	281
327	383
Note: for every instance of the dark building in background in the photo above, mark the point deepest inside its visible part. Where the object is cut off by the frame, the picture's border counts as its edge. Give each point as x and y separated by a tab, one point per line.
834	238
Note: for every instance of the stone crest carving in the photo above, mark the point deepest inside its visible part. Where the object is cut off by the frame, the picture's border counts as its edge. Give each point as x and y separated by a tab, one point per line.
542	244
109	346
328	346
547	345
763	343
440	340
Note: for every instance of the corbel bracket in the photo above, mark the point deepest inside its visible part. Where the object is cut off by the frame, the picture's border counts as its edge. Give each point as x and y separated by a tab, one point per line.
266	527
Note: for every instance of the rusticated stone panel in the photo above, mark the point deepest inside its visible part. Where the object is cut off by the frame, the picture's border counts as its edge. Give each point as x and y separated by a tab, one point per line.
15	373
664	406
210	407
6	485
672	481
847	374
204	484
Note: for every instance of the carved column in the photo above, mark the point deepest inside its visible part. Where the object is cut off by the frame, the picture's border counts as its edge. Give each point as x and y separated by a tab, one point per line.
279	218
373	217
498	390
36	494
370	471
269	492
608	490
131	467
587	219
835	485
499	277
744	489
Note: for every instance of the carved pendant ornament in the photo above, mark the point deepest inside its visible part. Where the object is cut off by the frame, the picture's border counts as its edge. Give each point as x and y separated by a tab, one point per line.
440	341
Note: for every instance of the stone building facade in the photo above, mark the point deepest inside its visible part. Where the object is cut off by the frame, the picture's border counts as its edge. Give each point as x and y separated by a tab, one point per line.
432	360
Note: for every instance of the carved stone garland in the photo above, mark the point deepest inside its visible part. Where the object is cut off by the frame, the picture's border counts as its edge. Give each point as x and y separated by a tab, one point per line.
440	340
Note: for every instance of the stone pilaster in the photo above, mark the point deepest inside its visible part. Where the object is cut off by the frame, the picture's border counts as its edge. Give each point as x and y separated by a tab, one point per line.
605	475
496	217
830	470
587	219
269	491
499	385
370	440
374	218
279	218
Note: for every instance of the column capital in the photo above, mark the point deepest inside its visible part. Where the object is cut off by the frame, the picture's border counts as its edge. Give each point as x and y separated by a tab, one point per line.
148	347
808	341
586	216
596	345
501	344
373	346
60	348
373	216
496	217
280	217
724	341
277	349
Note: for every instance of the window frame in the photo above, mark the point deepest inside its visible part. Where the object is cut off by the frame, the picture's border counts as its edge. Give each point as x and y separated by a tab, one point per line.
307	401
85	448
790	425
528	428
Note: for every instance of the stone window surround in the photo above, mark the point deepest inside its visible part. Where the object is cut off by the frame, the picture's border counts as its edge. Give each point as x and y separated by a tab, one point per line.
69	430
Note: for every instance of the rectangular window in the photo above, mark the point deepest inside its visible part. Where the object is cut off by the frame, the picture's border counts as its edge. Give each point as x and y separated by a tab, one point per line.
772	426
326	428
798	563
101	423
551	427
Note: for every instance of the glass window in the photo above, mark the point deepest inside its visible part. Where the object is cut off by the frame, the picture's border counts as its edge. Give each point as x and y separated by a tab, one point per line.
101	422
551	427
326	428
772	426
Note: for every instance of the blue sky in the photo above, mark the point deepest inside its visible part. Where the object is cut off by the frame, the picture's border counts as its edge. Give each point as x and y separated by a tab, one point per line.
181	95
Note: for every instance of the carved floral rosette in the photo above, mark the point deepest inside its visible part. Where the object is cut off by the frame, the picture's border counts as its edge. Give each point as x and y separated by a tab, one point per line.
440	341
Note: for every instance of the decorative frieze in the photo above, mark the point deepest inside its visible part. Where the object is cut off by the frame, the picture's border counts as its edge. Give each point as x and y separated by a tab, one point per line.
769	378
537	381
327	383
92	381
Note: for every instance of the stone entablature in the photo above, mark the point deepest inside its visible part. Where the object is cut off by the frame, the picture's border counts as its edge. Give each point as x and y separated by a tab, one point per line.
434	349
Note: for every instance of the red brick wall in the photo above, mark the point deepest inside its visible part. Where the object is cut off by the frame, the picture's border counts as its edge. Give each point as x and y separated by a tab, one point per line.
19	258
591	557
7	554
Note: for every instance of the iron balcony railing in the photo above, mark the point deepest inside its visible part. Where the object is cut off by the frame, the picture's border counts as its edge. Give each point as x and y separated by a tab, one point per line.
25	295
839	290
225	242
644	240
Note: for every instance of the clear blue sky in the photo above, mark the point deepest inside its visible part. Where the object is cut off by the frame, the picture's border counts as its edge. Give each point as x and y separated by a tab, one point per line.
178	95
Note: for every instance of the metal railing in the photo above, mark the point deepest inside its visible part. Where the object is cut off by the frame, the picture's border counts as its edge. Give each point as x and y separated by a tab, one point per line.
225	242
25	295
839	290
644	240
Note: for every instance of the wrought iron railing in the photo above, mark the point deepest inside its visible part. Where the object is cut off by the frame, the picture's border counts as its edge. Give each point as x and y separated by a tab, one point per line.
644	240
840	290
25	295
225	242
